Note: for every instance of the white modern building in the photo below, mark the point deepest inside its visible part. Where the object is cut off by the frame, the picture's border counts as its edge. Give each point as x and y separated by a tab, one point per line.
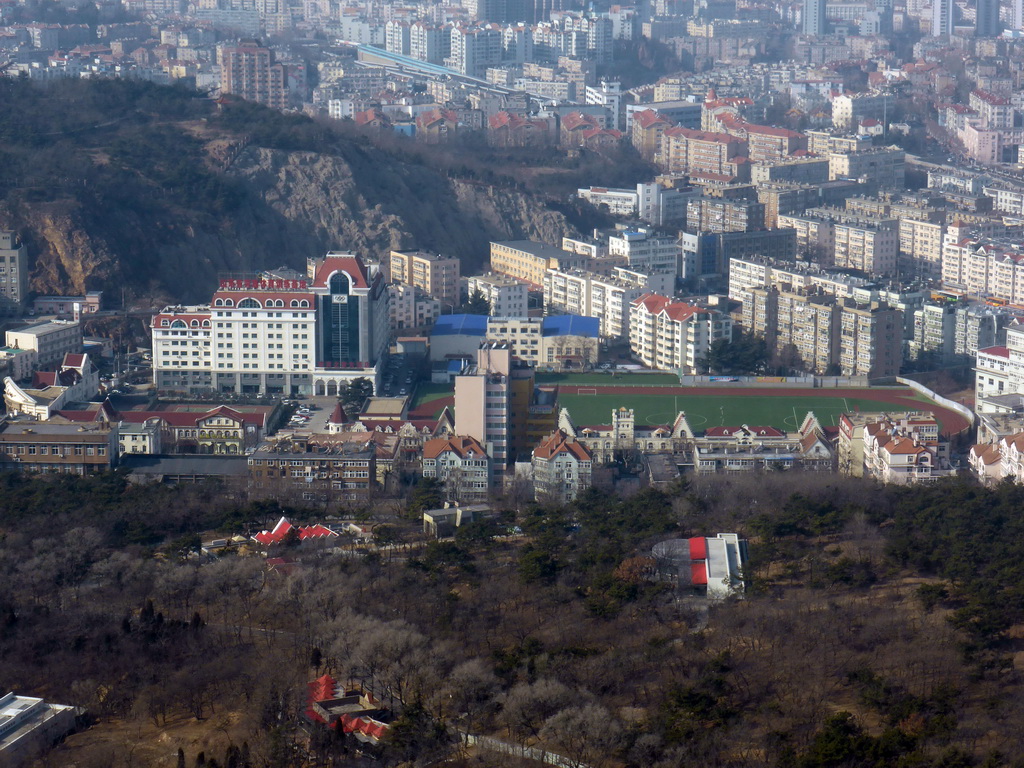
506	296
658	257
649	202
50	341
28	726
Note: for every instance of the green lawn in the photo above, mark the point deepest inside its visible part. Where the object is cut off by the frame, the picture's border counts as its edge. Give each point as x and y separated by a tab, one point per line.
703	411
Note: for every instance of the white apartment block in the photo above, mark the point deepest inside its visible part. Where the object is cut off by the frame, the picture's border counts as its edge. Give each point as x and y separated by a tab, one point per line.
50	341
747	273
999	370
592	295
474	49
674	336
411	308
984	268
658	257
921	248
507	296
849	110
649	202
884	165
1006	197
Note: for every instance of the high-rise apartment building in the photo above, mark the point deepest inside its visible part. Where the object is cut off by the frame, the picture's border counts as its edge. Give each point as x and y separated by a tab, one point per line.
428	42
434	274
248	70
483	395
986	22
672	335
799	327
13	273
942	17
871	339
474	49
720	214
814	20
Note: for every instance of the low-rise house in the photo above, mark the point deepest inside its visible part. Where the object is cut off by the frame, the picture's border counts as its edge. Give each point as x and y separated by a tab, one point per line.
318	468
562	468
742	449
905	451
352	711
714	564
436	126
57	448
75	380
302	533
1001	460
461	463
441	523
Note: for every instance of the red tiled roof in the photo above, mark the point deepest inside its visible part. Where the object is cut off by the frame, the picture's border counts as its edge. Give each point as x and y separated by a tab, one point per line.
649	117
338	416
652	302
694	135
351	265
460	445
575	120
997	351
284	526
558	442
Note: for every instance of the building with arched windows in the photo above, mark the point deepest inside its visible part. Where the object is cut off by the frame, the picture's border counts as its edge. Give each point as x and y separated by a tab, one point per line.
277	335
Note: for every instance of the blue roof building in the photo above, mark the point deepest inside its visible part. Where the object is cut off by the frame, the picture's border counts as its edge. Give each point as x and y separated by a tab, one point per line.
571	325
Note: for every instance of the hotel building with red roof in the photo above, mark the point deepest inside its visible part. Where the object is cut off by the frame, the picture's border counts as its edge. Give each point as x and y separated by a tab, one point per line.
277	335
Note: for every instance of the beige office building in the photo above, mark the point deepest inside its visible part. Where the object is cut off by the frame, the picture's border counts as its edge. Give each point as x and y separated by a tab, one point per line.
528	260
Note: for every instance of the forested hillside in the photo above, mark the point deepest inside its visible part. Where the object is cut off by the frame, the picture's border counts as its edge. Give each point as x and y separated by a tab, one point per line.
881	627
120	185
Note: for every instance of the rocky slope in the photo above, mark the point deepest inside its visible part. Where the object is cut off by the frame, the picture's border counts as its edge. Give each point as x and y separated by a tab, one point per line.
155	208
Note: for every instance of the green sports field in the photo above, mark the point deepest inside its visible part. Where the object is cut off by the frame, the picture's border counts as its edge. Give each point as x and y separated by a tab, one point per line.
703	411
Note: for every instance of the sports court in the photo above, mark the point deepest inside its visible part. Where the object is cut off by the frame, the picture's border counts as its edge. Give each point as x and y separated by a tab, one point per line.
720	406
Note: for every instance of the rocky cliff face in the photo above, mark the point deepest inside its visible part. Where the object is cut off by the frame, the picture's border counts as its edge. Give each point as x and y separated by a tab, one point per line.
291	205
